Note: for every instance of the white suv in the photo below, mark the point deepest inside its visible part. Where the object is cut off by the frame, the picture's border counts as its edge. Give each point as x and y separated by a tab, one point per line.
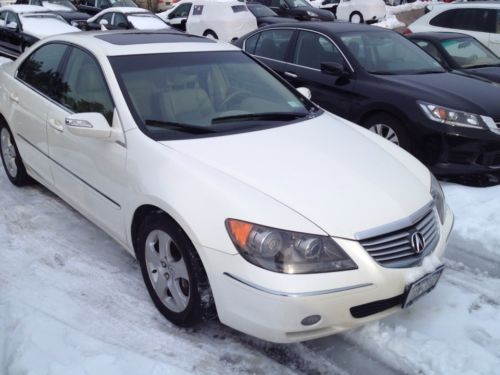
232	189
480	20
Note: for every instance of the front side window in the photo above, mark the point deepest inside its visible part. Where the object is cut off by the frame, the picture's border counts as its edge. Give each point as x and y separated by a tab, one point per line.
469	53
312	49
85	88
273	44
382	52
181	11
107	17
120	20
250	43
183	95
41	70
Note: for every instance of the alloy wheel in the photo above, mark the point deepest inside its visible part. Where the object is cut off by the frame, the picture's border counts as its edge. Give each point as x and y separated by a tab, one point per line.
8	152
386	132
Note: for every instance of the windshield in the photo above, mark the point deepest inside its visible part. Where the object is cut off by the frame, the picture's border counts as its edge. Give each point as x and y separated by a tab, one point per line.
180	95
298	3
469	53
385	52
261	11
146	22
64	3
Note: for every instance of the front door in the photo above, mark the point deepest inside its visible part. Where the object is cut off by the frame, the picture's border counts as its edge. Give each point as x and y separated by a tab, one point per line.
88	172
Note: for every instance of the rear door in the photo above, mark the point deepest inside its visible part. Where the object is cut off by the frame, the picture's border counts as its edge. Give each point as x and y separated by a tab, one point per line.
333	93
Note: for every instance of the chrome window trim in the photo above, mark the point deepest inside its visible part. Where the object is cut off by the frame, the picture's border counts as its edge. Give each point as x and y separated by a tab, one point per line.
295	295
395	225
300	29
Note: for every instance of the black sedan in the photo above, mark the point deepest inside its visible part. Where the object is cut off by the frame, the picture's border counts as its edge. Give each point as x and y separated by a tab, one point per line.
301	10
460	52
382	81
64	8
265	16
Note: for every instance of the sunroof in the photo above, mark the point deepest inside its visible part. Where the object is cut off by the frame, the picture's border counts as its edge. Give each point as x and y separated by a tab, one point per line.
124	39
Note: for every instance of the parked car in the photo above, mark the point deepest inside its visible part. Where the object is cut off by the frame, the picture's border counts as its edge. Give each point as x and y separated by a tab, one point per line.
23	25
330	5
301	10
265	16
460	52
93	7
126	18
217	19
479	20
360	11
379	79
64	8
188	152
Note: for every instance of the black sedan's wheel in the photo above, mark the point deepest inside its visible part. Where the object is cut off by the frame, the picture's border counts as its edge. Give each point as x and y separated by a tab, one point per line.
172	271
11	159
390	128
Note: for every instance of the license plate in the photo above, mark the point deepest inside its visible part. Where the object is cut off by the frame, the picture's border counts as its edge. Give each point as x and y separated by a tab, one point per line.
422	286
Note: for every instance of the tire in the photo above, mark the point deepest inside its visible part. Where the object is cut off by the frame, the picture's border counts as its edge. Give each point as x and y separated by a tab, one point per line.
210	34
11	159
356	17
390	128
173	274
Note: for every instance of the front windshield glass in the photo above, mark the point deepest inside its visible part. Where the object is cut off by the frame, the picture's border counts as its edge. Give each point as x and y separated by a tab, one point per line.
261	11
469	53
181	95
384	52
299	3
64	3
146	21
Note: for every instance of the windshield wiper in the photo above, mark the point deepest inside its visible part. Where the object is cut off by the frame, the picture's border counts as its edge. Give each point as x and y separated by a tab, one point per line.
272	116
382	72
430	71
186	128
483	66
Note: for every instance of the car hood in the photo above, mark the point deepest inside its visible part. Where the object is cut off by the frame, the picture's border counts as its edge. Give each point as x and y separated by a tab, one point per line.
341	177
46	27
491	73
457	91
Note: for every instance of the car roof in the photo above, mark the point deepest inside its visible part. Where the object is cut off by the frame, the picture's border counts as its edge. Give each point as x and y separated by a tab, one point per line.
124	10
24	8
328	27
136	42
437	36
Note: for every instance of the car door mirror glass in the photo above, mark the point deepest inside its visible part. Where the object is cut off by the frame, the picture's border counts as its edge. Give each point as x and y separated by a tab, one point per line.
333	68
88	124
305	92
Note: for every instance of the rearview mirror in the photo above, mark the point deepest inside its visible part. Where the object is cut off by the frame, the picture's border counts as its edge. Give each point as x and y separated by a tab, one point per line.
88	124
333	68
305	92
12	25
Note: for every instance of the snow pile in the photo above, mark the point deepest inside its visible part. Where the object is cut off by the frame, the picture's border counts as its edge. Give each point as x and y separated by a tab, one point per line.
390	22
405	7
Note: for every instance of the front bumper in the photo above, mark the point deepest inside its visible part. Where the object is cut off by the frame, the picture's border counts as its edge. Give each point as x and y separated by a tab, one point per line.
271	306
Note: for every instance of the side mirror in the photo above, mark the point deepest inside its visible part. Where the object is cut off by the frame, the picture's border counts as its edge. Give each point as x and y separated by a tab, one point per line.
12	25
88	124
305	92
103	22
333	68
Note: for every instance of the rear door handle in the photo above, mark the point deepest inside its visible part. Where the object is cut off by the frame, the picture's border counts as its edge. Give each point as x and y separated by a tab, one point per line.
290	74
56	125
14	97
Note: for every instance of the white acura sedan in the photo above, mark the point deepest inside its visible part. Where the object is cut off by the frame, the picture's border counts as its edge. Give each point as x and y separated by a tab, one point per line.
236	193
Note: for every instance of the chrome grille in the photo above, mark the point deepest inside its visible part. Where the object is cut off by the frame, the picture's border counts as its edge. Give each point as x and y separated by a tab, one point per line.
394	249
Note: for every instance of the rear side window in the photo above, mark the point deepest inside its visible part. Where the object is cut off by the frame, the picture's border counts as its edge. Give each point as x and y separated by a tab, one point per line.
239	8
85	88
467	19
197	10
273	44
40	70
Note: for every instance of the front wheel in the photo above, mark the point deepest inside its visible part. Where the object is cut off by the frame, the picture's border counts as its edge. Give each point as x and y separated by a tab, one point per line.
11	159
390	128
210	35
356	17
172	271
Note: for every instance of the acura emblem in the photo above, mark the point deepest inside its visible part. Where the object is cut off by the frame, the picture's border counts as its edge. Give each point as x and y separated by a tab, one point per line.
417	242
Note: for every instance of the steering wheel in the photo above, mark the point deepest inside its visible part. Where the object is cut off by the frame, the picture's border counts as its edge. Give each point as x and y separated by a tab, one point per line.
235	94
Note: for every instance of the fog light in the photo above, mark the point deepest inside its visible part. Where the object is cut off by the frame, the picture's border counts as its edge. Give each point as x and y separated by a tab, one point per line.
310	320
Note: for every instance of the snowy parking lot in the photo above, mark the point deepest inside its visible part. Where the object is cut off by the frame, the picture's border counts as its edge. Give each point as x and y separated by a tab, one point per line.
73	302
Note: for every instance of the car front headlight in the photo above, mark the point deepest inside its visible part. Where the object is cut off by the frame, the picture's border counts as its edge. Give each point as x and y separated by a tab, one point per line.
454	117
287	252
438	196
312	14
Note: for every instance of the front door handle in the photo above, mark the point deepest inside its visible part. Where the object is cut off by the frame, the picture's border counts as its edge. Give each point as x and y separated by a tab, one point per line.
14	97
290	74
55	124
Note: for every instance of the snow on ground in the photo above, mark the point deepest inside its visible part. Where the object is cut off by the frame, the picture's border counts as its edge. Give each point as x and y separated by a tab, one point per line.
73	302
390	22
